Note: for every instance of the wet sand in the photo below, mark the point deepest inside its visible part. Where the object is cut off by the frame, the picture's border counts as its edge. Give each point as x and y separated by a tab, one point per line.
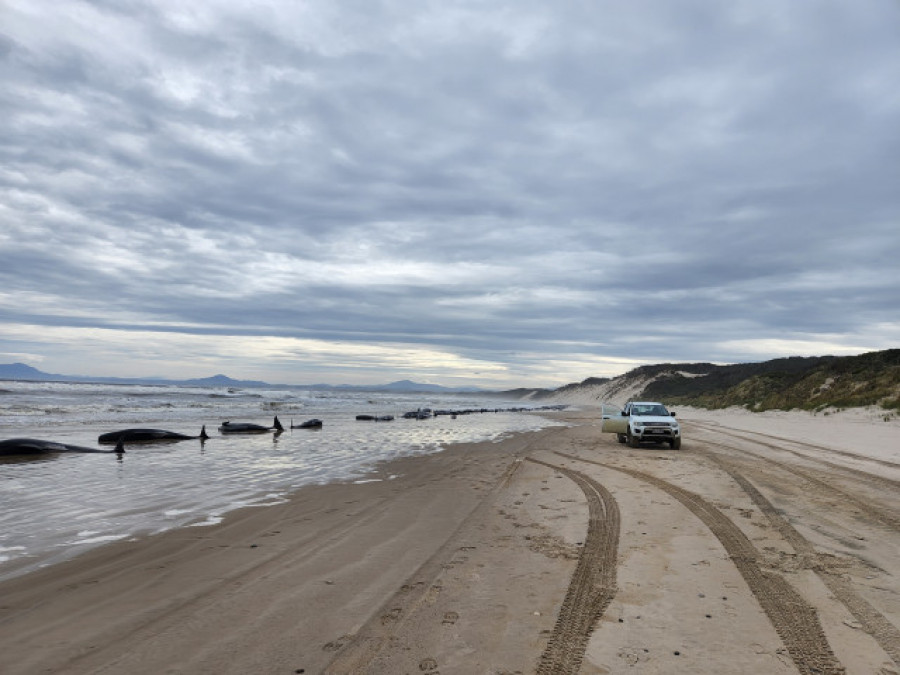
758	547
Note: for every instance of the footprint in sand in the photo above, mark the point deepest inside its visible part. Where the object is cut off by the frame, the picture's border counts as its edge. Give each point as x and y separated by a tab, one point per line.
450	618
335	645
428	665
432	593
391	616
630	656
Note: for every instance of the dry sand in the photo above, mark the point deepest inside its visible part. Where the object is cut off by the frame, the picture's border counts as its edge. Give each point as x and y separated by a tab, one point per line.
768	544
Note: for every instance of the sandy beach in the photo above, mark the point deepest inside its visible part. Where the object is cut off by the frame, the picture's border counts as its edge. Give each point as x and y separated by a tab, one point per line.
767	544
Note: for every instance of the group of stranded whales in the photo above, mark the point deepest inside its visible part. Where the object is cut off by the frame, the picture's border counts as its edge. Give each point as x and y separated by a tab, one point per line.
33	446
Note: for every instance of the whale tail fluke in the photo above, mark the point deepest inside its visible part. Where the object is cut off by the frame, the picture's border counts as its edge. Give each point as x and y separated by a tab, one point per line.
203	435
277	424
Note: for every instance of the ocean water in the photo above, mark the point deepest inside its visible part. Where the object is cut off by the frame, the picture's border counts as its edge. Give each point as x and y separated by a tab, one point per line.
55	506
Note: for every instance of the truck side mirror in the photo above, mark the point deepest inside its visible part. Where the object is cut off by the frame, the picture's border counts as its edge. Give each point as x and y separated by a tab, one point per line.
673	414
623	414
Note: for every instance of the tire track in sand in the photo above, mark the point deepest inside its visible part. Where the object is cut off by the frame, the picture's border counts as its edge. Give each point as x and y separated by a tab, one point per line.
748	435
885	516
795	620
873	622
593	584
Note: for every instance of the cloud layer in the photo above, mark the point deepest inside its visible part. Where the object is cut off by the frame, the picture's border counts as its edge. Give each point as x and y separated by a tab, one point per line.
503	193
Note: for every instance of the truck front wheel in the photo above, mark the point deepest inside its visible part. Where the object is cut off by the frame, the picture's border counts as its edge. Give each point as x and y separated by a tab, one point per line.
675	443
634	441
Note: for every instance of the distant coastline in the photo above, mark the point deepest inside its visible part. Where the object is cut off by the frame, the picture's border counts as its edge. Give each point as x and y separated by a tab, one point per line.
814	383
22	371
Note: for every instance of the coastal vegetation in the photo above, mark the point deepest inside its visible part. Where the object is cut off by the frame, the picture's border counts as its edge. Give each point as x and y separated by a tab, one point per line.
816	383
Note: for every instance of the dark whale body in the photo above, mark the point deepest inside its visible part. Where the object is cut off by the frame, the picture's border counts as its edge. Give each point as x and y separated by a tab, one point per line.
148	436
308	424
248	428
34	446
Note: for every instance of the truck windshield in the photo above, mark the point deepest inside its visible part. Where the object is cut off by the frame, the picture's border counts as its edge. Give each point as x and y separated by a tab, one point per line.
646	410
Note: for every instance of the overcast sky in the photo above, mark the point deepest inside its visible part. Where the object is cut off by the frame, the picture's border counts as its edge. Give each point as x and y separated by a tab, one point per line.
494	193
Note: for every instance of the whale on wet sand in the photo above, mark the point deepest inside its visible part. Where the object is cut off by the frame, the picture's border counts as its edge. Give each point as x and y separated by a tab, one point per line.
148	436
249	428
308	424
34	446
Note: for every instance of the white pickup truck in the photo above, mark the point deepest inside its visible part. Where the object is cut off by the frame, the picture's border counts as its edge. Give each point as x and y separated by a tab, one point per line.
643	422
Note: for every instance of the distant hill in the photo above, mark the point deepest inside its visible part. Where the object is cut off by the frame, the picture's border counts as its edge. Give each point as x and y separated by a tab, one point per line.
408	385
811	383
400	386
21	371
786	384
222	381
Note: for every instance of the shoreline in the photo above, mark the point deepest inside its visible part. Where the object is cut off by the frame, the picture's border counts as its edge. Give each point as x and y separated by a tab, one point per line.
418	500
468	561
162	486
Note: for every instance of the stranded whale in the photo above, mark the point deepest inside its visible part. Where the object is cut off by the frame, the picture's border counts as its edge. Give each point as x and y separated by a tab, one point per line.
34	446
375	418
248	428
308	424
148	436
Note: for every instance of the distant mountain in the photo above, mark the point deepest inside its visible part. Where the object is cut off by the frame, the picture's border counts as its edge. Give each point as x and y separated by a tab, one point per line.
408	385
400	386
223	381
21	371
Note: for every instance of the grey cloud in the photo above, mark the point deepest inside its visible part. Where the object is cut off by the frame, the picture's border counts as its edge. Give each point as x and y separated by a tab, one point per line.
522	176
